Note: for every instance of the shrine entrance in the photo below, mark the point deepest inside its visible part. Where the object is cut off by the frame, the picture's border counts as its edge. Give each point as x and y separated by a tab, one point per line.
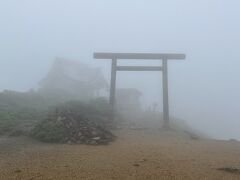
141	56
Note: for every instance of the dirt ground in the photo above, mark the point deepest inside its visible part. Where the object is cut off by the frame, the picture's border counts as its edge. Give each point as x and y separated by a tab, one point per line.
135	155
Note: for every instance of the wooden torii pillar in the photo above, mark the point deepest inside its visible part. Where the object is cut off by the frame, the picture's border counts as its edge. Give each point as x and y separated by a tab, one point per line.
141	56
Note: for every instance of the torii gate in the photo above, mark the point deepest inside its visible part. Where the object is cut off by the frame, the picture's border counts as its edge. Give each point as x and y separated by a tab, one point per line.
141	56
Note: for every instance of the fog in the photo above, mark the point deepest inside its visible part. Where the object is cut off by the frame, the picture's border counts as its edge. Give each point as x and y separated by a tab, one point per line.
203	89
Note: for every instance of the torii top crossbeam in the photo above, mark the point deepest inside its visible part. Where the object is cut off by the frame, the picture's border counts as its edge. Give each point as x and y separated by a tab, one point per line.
144	56
141	56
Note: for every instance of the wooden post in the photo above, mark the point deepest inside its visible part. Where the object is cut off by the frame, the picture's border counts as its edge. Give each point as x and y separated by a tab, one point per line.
113	89
165	94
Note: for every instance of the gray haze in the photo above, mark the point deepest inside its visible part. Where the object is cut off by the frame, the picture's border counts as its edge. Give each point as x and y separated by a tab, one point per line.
204	89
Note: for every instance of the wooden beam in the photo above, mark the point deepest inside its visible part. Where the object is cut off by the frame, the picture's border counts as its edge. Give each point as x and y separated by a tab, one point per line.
103	55
139	68
113	89
166	124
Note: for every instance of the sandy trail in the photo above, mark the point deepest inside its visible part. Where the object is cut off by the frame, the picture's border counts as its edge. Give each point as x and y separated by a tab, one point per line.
135	155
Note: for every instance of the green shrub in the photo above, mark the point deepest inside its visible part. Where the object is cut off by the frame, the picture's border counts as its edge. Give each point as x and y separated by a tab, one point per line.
49	131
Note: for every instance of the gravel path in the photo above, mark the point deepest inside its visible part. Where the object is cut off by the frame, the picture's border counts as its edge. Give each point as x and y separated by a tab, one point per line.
135	155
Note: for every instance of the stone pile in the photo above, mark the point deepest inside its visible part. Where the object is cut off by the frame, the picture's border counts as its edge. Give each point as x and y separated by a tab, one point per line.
72	127
83	130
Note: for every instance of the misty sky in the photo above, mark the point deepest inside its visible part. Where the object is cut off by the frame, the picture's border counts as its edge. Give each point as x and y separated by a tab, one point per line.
204	89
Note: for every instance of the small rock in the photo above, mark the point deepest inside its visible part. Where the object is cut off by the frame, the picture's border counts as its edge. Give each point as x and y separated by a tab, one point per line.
18	171
230	170
136	165
94	133
59	118
143	160
96	138
93	142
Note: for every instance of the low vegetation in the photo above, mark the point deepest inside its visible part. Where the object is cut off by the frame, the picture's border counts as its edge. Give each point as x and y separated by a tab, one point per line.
56	118
21	112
